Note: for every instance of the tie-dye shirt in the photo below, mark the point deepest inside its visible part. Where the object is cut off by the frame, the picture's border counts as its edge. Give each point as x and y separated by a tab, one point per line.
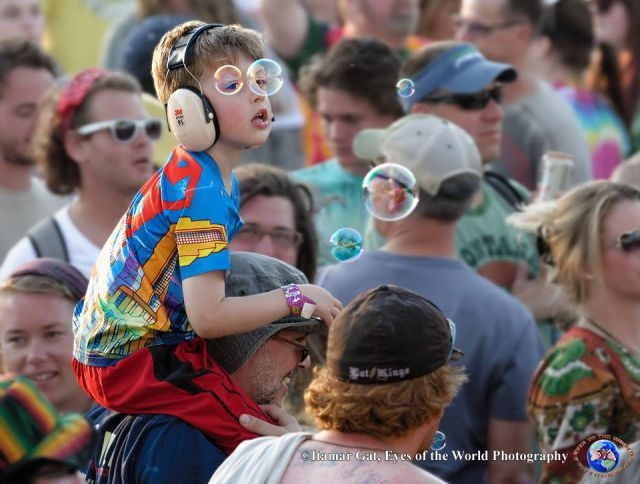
609	142
178	225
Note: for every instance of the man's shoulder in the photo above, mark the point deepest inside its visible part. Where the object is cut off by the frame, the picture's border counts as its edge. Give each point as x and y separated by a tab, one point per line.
317	173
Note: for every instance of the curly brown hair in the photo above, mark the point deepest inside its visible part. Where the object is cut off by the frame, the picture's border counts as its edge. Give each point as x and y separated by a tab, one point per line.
384	410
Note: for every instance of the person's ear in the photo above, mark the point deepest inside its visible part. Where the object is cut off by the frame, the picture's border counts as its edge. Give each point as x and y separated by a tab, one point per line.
75	146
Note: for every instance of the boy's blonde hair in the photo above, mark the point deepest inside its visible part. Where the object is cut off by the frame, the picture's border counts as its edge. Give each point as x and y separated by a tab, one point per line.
215	47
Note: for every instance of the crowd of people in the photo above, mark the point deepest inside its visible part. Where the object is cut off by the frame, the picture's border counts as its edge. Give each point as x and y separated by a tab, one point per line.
172	177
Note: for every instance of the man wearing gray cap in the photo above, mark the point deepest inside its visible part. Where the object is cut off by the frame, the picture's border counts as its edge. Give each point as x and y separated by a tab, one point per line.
162	448
499	336
378	402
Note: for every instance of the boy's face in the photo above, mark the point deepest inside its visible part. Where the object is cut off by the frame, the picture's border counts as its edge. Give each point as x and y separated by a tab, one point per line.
244	117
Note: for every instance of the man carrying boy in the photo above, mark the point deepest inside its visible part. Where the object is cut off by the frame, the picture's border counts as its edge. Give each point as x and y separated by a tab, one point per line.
158	288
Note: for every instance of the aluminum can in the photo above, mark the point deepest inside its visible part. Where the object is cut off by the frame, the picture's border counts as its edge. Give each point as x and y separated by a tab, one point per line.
557	168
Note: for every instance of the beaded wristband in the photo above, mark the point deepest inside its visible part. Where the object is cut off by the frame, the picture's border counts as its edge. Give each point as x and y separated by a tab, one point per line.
299	304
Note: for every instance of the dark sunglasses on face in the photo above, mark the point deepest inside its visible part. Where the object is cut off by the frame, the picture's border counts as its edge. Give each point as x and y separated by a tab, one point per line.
304	352
469	102
125	130
629	242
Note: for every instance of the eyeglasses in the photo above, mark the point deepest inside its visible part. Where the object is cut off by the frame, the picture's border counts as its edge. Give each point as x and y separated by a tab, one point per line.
601	6
629	242
125	130
469	102
285	238
304	353
480	29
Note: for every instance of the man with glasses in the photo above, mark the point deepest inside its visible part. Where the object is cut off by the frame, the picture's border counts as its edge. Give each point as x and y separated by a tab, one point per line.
164	449
93	140
536	119
498	335
378	405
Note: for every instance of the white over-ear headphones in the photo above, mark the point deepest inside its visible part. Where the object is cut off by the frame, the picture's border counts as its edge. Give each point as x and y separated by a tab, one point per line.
190	115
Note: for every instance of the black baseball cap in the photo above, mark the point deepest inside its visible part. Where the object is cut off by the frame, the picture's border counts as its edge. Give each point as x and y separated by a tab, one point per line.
389	334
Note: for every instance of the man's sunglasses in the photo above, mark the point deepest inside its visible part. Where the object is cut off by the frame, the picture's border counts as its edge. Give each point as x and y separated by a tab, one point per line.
629	242
125	130
469	102
304	352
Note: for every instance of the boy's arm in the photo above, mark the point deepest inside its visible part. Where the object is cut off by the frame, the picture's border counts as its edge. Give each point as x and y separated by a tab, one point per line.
213	315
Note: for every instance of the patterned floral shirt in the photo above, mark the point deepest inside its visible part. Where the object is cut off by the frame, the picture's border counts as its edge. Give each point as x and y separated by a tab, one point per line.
586	385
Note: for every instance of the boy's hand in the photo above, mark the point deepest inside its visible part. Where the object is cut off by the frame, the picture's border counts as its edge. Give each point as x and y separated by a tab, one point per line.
327	306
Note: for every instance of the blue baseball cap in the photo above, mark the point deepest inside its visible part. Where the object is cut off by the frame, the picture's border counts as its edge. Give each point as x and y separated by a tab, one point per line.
461	70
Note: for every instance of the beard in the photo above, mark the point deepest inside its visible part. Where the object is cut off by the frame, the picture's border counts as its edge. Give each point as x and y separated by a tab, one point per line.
13	156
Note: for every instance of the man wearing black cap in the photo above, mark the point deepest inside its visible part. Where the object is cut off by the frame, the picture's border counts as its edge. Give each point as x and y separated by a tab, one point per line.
378	401
164	449
499	336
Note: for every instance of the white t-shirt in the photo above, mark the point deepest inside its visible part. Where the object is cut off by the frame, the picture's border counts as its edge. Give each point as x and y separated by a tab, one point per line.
82	252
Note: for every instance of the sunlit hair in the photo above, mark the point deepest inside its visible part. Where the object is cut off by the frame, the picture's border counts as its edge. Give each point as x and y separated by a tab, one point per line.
571	228
257	179
216	47
34	284
59	170
384	410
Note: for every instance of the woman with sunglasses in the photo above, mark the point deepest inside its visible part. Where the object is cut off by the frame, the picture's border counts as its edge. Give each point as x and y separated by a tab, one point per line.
588	384
93	141
616	23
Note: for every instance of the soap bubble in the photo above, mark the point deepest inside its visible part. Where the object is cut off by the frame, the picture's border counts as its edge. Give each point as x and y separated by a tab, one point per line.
390	192
346	244
228	80
439	441
405	88
264	77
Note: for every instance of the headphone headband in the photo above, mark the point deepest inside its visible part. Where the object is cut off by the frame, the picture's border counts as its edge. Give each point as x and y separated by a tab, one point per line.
179	54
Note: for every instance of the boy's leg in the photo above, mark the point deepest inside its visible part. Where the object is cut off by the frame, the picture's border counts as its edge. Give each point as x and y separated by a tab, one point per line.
183	381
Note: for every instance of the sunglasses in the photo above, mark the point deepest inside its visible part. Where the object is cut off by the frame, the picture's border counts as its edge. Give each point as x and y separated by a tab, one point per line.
601	6
629	242
469	102
304	352
480	29
453	353
125	130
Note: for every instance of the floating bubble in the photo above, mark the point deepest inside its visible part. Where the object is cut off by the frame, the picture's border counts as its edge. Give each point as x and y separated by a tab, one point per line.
228	80
405	88
439	441
264	77
390	192
346	244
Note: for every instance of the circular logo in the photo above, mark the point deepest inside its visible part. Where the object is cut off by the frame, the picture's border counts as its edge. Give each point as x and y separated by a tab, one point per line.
603	456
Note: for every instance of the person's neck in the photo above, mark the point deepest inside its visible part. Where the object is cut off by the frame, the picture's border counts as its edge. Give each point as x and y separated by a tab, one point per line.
226	157
619	315
422	237
15	177
356	169
97	210
525	84
558	73
82	404
406	444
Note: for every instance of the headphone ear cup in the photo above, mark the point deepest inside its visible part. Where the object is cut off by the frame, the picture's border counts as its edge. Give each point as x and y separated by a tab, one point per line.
191	119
